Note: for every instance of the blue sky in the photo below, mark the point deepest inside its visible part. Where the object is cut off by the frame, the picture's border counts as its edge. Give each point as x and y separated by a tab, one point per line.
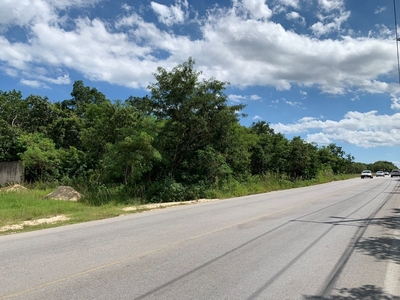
325	70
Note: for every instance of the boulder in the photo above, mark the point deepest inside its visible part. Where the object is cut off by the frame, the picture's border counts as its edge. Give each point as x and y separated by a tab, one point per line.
13	188
65	193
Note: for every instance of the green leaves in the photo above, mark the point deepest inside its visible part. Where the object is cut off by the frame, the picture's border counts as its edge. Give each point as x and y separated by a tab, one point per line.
130	157
41	159
194	114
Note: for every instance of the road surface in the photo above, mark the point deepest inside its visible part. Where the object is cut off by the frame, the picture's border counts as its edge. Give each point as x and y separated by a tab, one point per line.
339	240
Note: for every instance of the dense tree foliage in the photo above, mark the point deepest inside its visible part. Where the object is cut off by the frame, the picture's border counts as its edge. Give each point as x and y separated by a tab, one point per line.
172	143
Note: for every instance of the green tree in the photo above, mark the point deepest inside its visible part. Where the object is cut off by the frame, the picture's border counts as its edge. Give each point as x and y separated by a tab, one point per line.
40	114
13	109
82	96
334	157
41	159
10	147
129	158
194	113
303	162
383	165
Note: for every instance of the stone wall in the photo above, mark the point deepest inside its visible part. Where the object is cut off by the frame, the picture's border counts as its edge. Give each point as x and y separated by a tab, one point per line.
11	172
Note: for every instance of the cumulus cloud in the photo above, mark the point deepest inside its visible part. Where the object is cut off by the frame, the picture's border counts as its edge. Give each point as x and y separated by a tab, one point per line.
329	5
395	102
257	8
332	15
173	14
239	44
292	3
293	15
241	98
366	130
330	24
27	12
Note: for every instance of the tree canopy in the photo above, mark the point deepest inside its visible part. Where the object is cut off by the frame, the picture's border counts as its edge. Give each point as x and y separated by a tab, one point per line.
184	133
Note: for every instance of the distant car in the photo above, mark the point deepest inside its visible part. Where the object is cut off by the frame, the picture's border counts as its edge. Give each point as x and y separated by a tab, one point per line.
386	173
395	173
380	174
368	173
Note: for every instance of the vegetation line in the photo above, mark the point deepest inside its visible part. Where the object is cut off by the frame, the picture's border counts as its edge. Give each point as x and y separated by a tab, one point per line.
183	141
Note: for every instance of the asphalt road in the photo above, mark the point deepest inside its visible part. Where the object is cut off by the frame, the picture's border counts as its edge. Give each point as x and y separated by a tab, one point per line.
339	240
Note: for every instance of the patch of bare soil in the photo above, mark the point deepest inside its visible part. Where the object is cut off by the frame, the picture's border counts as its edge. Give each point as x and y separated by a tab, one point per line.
52	220
13	188
65	193
162	205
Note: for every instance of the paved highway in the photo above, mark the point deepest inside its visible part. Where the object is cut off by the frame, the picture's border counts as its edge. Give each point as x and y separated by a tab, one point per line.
339	240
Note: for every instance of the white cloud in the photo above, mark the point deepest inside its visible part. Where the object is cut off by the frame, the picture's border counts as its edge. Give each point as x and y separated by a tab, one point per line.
379	9
236	98
335	25
292	103
255	97
331	15
356	97
293	15
173	14
257	8
292	3
26	12
395	102
241	98
329	5
33	83
245	49
59	80
319	138
366	130
257	118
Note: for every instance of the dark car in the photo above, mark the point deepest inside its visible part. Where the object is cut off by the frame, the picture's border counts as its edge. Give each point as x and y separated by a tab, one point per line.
395	173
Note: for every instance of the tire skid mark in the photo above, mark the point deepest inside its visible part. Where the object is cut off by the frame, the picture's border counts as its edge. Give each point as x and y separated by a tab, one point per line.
311	245
335	274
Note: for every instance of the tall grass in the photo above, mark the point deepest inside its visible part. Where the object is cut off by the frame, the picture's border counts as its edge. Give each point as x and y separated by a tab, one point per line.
17	207
270	182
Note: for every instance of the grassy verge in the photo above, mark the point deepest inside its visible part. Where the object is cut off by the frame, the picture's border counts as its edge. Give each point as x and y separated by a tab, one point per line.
21	206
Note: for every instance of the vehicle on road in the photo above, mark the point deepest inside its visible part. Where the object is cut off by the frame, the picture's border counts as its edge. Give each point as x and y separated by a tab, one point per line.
367	173
387	173
395	173
380	174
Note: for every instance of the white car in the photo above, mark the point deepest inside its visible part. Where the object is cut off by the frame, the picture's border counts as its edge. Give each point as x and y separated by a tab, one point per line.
380	173
366	173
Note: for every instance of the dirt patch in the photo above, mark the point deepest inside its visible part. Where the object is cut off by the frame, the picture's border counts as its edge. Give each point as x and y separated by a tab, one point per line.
162	205
14	188
52	220
65	193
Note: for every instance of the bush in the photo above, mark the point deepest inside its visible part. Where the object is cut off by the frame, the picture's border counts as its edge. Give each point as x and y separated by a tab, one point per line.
166	190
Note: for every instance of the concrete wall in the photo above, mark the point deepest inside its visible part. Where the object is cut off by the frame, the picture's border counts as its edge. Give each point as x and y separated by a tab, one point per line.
11	172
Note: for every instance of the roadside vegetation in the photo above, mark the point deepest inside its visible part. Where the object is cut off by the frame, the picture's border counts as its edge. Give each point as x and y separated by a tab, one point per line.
18	207
183	141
